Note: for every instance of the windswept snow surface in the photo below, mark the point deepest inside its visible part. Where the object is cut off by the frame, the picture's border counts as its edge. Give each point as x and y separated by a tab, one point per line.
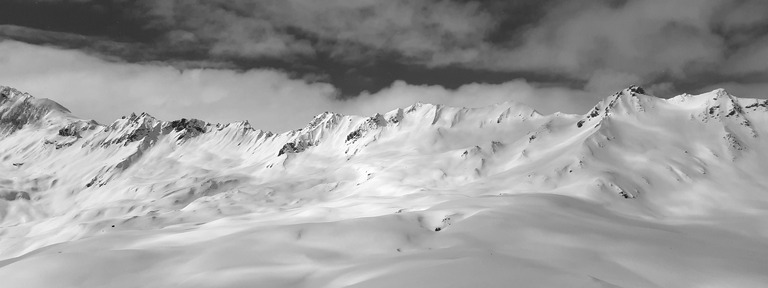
638	192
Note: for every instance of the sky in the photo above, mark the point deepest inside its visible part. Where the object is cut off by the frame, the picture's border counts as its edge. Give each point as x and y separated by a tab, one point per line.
277	63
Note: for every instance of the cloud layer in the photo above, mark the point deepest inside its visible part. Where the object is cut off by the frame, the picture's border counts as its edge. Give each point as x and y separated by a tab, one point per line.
324	49
603	44
269	99
417	29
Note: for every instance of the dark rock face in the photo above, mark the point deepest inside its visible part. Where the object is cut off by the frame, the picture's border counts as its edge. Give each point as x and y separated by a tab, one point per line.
714	109
74	129
189	128
636	89
146	128
605	109
756	105
69	131
135	129
354	135
371	123
594	113
17	111
138	134
190	125
397	117
294	147
326	119
288	148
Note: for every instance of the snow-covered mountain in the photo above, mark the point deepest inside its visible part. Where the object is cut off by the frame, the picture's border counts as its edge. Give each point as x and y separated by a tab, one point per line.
638	192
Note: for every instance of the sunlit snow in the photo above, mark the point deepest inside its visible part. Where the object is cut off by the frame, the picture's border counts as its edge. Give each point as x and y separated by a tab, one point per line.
638	192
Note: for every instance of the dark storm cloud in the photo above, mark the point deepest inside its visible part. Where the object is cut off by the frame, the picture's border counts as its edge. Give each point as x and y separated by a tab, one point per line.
415	29
603	44
116	19
638	41
525	35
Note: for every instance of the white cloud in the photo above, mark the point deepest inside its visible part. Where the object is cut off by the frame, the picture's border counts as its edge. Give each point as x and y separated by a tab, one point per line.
543	99
103	90
605	44
271	100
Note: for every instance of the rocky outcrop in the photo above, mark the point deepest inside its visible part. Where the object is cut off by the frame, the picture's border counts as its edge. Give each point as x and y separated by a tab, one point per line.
294	147
371	123
626	100
187	128
16	110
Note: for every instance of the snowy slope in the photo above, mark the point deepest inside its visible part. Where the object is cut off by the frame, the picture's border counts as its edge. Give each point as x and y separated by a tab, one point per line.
638	192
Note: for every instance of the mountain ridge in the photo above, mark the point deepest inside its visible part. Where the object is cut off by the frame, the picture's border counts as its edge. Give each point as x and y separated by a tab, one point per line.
504	135
344	136
501	182
18	97
13	98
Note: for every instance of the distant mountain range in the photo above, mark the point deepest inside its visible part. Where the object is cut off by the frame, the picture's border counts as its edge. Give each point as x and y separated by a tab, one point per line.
693	164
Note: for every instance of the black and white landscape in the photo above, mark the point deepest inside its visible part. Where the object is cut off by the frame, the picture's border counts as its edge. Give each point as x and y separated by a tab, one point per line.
383	143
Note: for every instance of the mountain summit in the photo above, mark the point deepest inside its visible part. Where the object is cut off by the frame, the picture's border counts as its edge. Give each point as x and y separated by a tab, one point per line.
501	137
342	199
18	109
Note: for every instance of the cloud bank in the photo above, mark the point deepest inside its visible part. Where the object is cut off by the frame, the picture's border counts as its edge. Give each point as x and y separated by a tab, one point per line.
582	50
602	44
269	99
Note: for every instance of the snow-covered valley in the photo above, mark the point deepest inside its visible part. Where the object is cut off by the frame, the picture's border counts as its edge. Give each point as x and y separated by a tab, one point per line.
638	192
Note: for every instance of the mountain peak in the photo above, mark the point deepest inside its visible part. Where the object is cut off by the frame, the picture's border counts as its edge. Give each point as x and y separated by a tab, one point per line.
715	98
10	96
635	89
629	100
18	109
